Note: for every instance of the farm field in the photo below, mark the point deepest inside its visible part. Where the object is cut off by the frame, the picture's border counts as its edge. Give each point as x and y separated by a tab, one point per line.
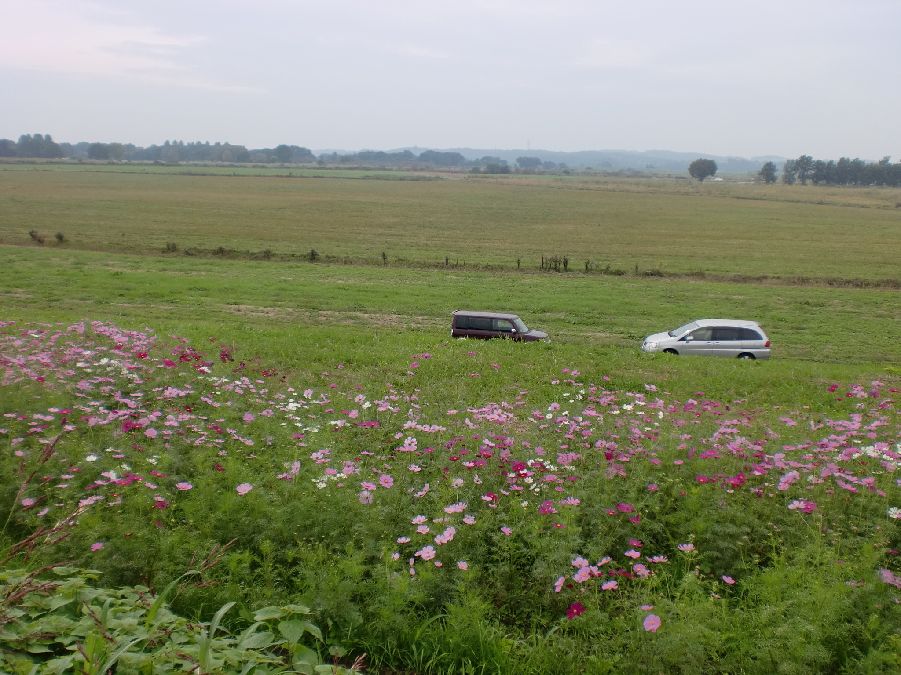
665	225
216	463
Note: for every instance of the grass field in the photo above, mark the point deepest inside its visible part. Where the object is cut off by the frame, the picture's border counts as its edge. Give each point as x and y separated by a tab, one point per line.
669	226
305	440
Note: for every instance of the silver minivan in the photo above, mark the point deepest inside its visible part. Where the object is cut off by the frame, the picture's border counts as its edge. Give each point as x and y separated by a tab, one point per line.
712	337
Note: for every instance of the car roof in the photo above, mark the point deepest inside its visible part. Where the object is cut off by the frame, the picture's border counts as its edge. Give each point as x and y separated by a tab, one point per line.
489	315
727	322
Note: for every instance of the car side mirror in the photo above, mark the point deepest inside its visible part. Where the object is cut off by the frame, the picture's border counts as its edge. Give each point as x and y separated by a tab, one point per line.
687	338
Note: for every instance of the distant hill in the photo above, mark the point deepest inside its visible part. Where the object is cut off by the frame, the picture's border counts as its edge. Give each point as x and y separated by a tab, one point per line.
621	160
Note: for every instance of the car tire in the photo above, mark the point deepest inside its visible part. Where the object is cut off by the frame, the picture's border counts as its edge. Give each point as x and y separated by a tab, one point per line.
745	356
671	351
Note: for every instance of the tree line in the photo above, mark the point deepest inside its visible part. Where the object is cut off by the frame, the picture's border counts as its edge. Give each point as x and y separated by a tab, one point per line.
845	171
42	146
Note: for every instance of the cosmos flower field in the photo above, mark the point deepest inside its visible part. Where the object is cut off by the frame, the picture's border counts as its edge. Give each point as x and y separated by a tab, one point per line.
579	527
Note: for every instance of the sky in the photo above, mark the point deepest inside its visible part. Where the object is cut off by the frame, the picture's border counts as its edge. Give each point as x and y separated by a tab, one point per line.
745	78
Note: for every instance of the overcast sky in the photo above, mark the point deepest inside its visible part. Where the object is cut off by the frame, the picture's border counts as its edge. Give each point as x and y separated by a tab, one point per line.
732	77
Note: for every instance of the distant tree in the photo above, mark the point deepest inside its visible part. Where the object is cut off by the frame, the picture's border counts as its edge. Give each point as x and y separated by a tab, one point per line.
702	168
528	163
7	147
767	173
38	145
804	166
438	158
98	151
283	154
500	166
789	172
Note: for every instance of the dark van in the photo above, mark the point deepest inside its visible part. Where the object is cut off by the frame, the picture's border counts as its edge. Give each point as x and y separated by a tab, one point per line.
485	325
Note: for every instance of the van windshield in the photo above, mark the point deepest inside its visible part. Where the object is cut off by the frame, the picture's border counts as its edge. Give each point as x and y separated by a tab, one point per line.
520	326
682	330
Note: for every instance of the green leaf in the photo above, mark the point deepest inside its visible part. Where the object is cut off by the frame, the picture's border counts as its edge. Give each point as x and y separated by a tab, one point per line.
305	655
297	609
63	571
155	607
111	661
257	640
292	630
313	630
268	613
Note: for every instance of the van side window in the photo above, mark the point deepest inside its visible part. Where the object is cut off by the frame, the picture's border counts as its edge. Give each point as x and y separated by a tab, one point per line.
726	334
503	326
479	323
461	322
702	334
750	334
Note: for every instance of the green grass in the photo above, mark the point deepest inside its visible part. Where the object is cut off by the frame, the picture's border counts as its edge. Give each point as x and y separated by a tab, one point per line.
723	229
820	324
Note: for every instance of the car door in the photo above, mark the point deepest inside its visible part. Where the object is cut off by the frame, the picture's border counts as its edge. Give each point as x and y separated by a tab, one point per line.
698	342
504	328
726	341
481	327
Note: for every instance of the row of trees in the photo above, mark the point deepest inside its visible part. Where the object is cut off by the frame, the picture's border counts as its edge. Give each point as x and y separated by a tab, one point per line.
805	169
845	171
43	146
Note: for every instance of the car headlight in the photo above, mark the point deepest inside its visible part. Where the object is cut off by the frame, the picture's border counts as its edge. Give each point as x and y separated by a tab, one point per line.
650	345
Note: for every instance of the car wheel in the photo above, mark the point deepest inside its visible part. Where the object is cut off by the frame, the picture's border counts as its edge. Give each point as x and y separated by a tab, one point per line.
746	356
671	351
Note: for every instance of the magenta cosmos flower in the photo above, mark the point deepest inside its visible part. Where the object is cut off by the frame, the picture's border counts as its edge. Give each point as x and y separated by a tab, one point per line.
243	488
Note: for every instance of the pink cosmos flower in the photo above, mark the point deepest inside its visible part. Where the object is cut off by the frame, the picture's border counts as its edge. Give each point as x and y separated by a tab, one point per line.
582	575
646	608
632	553
686	548
28	502
446	536
183	486
558	585
609	586
651	623
727	579
457	507
426	553
889	577
575	609
462	565
243	488
365	497
248	417
96	546
418	520
386	481
802	505
506	530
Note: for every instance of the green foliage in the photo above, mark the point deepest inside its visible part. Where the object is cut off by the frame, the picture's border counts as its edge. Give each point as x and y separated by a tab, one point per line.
702	168
64	623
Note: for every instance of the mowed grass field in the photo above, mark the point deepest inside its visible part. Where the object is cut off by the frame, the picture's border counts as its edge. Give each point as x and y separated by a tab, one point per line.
671	226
